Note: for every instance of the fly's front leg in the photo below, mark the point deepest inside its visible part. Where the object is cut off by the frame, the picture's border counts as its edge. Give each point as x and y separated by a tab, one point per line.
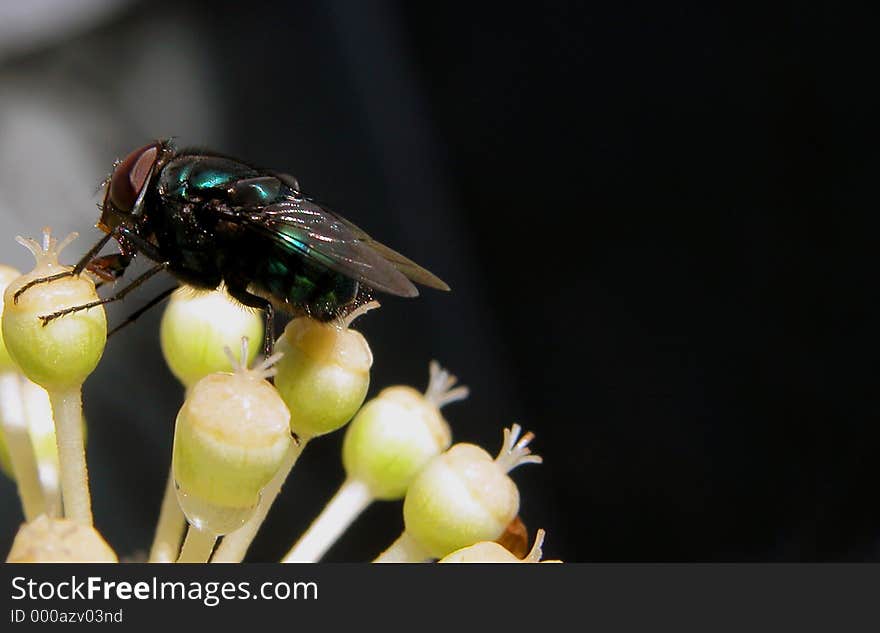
48	318
76	270
111	268
137	313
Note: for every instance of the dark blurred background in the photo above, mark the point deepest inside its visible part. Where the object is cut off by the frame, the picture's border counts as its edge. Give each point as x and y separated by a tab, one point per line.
656	220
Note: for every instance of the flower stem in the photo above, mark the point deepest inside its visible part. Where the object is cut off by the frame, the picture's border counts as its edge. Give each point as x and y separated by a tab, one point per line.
38	411
234	546
197	546
21	449
52	492
403	550
67	410
350	500
169	529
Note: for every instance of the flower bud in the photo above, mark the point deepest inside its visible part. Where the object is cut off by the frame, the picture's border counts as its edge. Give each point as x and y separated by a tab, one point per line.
7	276
197	326
490	552
396	433
463	496
46	540
231	436
323	375
61	353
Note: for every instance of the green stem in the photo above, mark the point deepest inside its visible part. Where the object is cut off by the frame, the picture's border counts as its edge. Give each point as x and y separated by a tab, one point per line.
234	546
403	550
350	500
67	411
13	423
197	546
169	529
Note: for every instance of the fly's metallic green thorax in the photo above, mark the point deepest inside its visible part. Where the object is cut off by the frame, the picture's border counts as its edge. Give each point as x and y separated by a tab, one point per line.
197	176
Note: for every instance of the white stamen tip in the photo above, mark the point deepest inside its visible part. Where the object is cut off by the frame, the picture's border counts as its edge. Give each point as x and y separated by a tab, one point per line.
261	371
535	554
515	451
441	387
47	251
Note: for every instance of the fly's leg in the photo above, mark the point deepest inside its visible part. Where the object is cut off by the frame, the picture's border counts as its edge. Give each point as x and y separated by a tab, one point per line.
238	291
268	330
48	318
132	242
40	280
76	270
114	265
109	267
137	313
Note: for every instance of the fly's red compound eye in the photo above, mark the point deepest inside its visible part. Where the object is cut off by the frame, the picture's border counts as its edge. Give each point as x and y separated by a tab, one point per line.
130	176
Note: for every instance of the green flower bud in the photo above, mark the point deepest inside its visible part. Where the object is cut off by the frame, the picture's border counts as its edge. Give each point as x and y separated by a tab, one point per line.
463	496
323	375
197	326
7	276
230	439
62	353
491	552
46	540
396	433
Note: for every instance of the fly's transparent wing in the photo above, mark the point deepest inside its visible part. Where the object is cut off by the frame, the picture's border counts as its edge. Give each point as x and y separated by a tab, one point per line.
309	230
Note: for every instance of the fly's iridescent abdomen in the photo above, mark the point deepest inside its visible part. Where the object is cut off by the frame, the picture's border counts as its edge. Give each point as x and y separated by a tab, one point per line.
319	292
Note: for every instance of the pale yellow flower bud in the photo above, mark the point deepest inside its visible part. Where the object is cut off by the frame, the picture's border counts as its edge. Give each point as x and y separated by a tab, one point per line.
45	540
323	375
463	496
59	354
231	436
